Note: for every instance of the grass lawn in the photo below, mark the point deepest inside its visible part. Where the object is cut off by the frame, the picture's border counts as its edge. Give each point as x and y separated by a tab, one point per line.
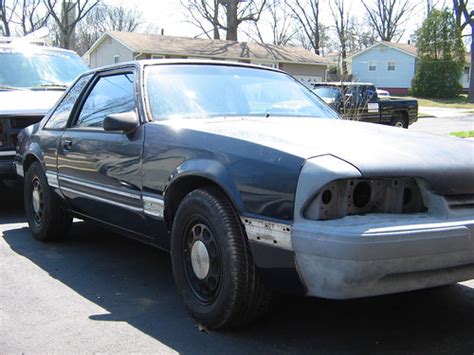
458	102
463	134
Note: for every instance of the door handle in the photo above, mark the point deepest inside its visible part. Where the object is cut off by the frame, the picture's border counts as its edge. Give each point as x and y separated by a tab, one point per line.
67	144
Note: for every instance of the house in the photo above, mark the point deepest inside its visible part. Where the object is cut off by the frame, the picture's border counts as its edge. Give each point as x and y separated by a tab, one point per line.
391	66
116	47
334	66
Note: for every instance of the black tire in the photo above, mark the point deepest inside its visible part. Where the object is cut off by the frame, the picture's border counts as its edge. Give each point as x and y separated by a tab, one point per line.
230	293
399	120
48	220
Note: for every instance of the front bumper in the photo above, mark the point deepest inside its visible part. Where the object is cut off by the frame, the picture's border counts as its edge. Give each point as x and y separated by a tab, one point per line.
362	256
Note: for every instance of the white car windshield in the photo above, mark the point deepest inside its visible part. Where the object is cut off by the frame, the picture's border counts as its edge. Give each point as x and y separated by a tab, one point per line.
36	68
201	90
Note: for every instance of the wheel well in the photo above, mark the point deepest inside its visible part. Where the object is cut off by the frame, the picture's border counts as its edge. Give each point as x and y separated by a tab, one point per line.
176	193
401	114
30	159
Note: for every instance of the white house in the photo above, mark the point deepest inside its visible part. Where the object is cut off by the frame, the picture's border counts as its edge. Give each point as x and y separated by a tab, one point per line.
391	66
116	47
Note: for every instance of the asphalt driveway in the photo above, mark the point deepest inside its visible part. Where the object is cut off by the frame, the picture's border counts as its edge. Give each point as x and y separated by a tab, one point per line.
444	120
99	292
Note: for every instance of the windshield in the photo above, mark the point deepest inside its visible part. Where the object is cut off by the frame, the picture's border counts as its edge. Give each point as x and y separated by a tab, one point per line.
38	68
197	91
327	92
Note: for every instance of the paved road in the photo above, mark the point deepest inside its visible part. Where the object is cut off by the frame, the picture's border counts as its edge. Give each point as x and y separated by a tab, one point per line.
446	123
98	292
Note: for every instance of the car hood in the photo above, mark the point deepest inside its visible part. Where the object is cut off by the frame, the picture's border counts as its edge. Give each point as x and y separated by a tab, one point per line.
447	163
28	102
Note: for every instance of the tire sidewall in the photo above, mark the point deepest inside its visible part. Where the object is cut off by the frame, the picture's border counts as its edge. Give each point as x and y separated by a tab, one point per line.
189	209
39	230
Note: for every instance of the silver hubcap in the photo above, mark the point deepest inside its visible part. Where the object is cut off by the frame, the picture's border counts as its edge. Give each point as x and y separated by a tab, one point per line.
37	201
399	124
200	259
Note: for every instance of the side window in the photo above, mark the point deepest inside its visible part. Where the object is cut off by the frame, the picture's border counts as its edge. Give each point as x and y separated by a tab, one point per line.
60	116
111	94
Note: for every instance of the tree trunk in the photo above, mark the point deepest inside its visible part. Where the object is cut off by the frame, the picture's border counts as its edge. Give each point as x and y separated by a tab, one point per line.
343	61
6	27
232	22
215	18
64	40
470	96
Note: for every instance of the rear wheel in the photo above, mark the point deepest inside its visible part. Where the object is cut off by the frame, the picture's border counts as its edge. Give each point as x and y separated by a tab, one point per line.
399	120
212	264
46	218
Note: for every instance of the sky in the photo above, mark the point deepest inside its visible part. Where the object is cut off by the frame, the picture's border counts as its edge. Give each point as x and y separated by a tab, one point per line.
169	15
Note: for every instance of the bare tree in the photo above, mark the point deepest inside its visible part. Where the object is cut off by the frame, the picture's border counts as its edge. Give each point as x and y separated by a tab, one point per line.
7	11
105	18
278	22
225	15
465	17
66	15
388	17
31	15
203	13
306	13
359	35
340	14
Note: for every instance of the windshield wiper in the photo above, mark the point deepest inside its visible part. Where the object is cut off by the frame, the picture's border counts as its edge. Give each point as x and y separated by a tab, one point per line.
51	86
8	87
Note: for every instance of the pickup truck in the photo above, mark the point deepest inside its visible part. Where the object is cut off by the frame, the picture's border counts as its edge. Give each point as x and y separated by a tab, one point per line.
359	101
32	79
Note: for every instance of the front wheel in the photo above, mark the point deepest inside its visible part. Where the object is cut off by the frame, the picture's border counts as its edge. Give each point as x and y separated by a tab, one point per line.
45	216
212	264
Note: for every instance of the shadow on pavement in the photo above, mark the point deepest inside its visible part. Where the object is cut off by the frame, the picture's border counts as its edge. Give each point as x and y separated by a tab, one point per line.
11	202
134	283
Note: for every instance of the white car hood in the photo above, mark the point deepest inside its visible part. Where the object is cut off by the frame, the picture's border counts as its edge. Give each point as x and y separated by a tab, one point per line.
28	102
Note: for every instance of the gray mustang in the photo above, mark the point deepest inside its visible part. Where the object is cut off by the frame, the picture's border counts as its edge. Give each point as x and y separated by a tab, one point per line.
253	184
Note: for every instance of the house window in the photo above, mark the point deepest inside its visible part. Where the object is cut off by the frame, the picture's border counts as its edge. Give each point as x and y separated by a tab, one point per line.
391	65
372	66
157	56
116	59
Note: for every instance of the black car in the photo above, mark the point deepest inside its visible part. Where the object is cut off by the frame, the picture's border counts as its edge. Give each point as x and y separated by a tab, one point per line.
252	183
360	101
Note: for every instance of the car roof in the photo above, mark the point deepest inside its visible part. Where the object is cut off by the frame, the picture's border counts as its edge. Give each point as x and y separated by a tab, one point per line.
149	62
342	83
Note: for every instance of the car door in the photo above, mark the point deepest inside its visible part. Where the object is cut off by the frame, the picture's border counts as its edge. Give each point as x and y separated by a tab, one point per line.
372	107
98	170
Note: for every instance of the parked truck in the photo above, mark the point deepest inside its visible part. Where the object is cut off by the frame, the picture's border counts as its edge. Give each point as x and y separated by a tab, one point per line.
360	101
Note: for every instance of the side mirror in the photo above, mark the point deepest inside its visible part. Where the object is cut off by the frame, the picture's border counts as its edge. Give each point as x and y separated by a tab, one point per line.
124	122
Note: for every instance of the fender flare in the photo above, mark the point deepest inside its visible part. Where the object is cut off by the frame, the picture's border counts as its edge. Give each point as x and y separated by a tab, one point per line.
211	170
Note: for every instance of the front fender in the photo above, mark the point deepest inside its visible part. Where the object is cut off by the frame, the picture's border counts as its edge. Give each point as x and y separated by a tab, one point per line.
208	169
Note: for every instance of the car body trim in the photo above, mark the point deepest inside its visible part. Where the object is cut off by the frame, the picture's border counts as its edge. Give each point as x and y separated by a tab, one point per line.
268	232
100	199
52	179
19	169
7	153
99	187
153	206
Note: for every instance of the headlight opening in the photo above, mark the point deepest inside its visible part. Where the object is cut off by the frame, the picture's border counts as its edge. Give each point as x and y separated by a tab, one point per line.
347	197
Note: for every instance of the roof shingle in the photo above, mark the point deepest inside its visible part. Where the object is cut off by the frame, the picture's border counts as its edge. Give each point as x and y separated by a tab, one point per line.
159	44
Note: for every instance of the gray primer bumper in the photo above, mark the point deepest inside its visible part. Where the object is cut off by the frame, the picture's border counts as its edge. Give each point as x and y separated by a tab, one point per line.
349	260
376	254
